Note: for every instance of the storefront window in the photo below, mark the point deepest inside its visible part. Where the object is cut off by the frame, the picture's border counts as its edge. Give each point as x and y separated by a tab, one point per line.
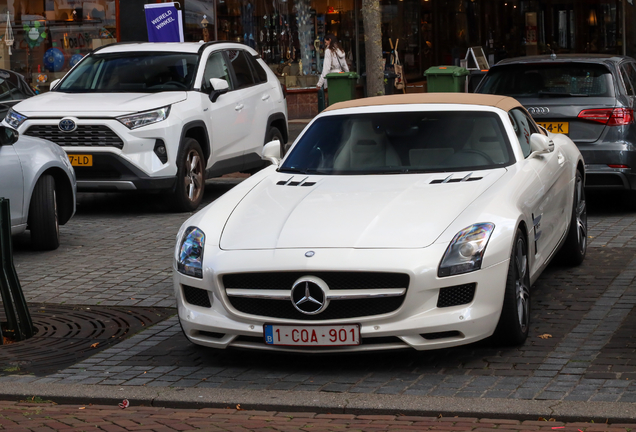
51	36
289	34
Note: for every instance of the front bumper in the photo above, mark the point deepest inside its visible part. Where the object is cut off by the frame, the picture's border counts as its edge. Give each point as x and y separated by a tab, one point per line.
410	326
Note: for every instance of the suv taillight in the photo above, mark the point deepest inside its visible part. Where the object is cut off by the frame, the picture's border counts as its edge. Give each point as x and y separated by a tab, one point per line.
608	116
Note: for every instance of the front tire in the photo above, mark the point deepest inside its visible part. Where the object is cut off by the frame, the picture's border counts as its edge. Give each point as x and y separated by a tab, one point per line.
573	251
43	218
514	322
190	186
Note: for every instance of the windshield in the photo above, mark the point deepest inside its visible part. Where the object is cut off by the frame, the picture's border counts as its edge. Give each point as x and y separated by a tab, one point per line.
557	79
131	73
401	142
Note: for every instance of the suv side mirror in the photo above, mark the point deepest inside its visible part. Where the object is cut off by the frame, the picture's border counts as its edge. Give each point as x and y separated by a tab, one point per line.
271	152
219	87
540	144
54	83
8	136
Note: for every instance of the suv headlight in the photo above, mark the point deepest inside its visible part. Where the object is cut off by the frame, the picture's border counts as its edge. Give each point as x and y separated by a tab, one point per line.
145	118
14	119
465	252
190	260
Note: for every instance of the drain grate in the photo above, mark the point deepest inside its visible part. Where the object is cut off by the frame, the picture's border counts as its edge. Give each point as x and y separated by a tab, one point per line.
66	335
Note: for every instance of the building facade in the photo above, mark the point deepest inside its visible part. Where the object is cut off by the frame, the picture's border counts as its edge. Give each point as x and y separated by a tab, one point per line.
45	38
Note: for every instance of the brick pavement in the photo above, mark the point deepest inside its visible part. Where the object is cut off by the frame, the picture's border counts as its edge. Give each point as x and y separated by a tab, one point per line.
45	417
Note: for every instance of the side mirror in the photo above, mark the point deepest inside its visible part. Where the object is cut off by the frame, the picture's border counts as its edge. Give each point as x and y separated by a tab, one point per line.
540	144
54	84
271	152
219	87
8	136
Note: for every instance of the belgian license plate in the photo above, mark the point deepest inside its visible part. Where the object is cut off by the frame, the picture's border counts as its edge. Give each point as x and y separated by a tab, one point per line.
81	160
318	335
556	127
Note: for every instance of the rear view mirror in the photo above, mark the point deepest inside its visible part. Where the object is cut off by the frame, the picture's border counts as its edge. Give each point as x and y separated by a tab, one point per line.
8	136
540	144
271	152
219	87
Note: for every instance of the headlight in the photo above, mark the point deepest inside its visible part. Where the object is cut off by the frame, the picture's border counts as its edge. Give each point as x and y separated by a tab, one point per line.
145	118
465	252
190	261
14	119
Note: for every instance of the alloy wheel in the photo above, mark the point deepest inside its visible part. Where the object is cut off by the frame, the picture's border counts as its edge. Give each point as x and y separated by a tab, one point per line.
193	175
522	288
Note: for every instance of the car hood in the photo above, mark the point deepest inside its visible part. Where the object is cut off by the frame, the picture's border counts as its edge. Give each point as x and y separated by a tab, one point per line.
109	104
374	211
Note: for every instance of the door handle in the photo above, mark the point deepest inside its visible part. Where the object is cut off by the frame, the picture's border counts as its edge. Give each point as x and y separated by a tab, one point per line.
239	107
560	158
265	97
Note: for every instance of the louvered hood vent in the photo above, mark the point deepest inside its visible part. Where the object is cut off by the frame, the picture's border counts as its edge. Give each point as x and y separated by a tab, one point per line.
450	179
292	182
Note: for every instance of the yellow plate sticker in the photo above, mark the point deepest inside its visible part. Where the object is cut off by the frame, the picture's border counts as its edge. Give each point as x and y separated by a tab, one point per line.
556	127
81	160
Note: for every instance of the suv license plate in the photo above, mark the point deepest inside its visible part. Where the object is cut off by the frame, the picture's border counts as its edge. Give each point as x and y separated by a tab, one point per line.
318	335
556	127
81	160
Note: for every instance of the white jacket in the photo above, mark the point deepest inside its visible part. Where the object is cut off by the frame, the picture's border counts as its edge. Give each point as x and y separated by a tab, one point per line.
334	62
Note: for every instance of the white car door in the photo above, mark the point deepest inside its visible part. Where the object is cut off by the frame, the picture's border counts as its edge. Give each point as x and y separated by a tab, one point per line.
251	91
225	118
12	183
551	217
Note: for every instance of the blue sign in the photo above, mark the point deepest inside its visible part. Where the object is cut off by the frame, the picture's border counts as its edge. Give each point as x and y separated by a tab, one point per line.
164	22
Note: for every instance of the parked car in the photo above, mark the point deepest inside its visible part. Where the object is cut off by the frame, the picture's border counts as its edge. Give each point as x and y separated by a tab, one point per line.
416	220
160	116
13	89
37	178
588	97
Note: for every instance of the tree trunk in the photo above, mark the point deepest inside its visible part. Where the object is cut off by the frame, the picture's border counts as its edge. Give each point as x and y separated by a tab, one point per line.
372	18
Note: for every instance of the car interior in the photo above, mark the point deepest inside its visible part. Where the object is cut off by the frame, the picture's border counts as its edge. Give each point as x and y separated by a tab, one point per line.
402	142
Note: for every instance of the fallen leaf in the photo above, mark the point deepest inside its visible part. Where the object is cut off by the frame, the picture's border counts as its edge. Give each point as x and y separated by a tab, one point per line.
238	407
82	407
95	345
545	336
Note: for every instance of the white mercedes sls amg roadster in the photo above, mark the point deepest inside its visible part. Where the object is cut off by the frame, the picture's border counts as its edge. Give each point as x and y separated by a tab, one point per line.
416	221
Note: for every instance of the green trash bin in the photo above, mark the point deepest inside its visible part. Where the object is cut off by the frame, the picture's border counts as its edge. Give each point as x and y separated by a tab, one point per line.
341	86
446	79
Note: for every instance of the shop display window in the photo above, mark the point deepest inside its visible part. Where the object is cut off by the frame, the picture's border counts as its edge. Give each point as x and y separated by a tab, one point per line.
51	36
289	34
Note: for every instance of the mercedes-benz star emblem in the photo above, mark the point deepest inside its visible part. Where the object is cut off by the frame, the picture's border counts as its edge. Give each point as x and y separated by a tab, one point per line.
67	125
308	296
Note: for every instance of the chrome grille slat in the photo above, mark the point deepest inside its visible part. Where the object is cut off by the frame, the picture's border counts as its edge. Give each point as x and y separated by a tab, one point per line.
84	135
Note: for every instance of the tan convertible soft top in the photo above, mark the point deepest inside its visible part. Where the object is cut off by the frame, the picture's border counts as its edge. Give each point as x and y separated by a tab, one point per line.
503	102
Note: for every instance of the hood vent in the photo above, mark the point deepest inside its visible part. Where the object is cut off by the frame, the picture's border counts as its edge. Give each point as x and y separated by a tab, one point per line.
450	179
290	182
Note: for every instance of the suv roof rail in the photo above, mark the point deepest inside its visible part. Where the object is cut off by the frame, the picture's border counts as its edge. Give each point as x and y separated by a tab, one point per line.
207	44
116	43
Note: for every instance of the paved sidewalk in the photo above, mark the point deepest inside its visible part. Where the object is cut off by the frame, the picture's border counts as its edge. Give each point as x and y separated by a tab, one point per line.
37	417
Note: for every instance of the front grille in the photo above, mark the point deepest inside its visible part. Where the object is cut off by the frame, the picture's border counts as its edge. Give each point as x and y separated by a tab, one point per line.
337	309
456	295
335	280
196	296
84	135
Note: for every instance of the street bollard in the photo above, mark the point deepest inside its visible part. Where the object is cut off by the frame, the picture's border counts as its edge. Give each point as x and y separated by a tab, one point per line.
19	325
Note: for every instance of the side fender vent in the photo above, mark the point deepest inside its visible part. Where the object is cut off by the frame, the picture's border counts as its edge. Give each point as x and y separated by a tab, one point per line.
450	179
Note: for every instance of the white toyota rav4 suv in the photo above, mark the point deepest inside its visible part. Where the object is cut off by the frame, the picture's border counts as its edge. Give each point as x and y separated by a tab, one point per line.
160	116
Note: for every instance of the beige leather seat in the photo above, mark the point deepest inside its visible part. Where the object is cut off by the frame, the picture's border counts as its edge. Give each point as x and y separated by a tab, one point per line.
486	139
366	149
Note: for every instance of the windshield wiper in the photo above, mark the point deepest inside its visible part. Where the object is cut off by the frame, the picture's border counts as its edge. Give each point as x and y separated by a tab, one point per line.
548	93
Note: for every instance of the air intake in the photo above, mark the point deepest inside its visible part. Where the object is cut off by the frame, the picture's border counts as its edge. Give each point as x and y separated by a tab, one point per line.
456	295
196	296
292	182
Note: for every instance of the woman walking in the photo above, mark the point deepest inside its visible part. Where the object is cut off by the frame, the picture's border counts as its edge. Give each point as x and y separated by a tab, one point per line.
334	59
